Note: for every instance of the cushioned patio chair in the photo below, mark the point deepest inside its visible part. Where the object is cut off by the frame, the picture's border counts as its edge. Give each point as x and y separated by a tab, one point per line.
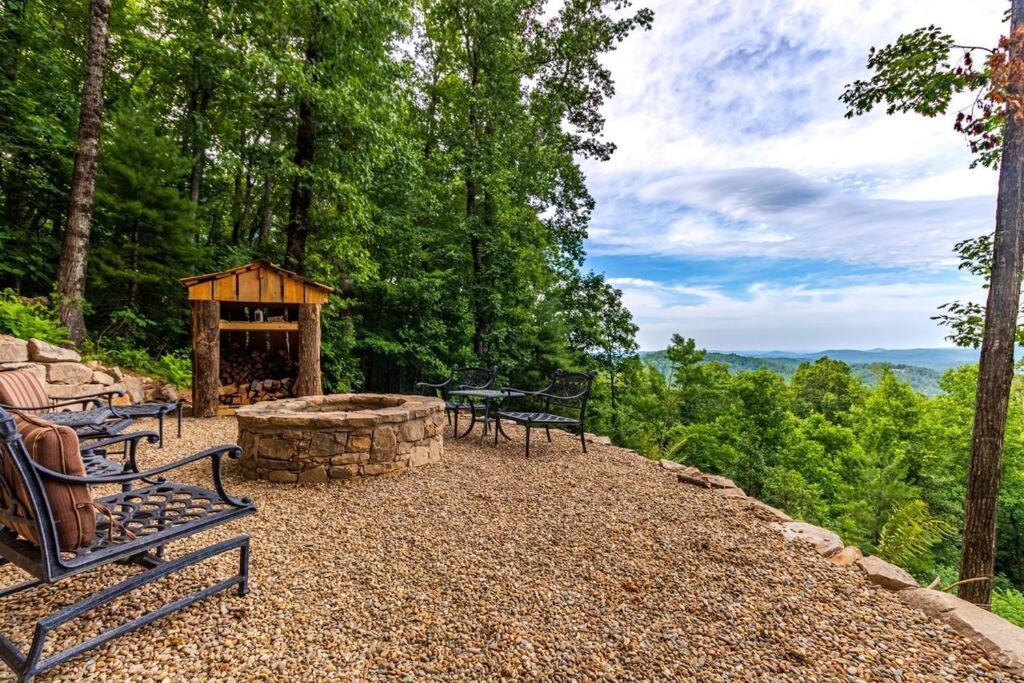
567	392
22	391
461	378
53	529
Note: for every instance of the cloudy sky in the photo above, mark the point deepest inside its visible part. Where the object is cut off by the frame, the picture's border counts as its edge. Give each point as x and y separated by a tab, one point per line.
742	209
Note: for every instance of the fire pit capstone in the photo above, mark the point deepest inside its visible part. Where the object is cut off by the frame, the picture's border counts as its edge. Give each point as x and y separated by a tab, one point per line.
339	436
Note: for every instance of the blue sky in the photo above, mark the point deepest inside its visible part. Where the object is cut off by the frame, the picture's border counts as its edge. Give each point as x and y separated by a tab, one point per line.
741	208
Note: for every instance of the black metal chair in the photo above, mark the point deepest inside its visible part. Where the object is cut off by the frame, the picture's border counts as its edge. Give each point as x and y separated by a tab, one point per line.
461	378
568	391
142	522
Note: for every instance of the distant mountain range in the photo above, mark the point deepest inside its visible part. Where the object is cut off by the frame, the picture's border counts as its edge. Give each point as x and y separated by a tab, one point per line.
936	359
921	368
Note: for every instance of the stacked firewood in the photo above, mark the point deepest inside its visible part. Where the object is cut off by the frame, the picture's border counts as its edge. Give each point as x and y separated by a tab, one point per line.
251	376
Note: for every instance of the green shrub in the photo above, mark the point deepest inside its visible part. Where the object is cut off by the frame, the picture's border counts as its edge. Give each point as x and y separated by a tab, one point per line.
30	319
174	368
1009	604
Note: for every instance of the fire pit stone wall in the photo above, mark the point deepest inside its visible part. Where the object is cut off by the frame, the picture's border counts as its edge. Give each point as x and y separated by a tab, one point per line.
340	436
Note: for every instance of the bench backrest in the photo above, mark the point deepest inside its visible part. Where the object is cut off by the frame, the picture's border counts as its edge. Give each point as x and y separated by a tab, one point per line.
473	378
24	505
569	390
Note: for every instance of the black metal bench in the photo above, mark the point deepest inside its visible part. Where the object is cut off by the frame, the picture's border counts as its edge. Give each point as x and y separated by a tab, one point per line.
567	390
145	520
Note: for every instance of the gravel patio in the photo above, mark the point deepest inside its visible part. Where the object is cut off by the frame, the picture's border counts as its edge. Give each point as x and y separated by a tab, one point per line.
488	565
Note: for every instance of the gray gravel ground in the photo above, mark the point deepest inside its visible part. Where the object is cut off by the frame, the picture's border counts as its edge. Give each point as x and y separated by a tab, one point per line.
561	567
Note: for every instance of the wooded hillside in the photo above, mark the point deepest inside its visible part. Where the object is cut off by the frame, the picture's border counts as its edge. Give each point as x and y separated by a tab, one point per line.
418	156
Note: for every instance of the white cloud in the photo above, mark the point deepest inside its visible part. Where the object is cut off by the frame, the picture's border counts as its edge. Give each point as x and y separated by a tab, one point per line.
725	92
775	213
732	145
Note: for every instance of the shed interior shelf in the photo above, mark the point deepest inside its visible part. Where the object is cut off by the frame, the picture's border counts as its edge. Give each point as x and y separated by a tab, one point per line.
235	325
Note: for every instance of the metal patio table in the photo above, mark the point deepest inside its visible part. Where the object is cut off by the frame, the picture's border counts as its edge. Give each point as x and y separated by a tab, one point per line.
492	400
154	410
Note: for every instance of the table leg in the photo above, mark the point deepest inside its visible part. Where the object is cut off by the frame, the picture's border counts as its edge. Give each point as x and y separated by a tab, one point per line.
487	419
472	422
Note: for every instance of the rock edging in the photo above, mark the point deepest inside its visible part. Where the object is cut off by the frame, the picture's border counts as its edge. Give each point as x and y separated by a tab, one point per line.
1002	642
63	373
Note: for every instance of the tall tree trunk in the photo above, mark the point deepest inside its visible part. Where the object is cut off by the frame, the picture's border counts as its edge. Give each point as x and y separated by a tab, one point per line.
236	207
472	218
195	143
266	211
995	372
74	250
305	146
133	290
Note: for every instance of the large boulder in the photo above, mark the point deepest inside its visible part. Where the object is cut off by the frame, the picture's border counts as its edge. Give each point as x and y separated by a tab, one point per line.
847	555
133	389
824	541
13	350
1002	642
885	574
773	514
719	482
68	373
43	352
71	390
673	466
168	393
102	377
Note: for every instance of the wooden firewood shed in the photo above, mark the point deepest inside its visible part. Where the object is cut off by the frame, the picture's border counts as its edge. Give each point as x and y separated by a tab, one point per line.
256	316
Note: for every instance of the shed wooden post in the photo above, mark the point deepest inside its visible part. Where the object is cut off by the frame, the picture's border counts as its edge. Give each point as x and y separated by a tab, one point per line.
308	382
205	357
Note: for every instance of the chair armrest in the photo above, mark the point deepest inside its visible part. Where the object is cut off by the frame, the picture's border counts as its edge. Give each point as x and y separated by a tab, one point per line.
428	385
70	401
109	395
131	442
214	454
520	391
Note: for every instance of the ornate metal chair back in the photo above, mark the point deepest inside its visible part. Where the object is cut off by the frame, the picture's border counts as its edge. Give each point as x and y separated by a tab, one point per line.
474	378
570	391
23	503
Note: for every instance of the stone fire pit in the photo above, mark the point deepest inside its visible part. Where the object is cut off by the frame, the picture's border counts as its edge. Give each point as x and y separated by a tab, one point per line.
340	436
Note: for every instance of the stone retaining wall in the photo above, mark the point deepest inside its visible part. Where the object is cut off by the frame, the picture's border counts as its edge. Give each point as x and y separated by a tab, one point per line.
64	374
342	436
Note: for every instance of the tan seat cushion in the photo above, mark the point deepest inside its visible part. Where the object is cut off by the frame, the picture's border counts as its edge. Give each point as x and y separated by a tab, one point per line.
19	388
56	448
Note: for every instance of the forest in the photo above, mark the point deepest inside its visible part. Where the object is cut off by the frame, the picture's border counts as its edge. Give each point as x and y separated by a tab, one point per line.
423	157
418	156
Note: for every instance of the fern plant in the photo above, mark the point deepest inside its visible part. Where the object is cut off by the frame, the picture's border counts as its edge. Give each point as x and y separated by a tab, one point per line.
1009	604
27	319
909	533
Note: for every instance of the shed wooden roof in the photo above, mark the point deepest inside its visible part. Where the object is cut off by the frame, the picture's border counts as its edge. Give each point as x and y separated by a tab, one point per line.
257	282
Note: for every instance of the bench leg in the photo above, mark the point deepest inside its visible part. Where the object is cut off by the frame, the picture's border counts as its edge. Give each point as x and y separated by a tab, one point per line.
547	430
181	406
160	421
28	666
527	439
